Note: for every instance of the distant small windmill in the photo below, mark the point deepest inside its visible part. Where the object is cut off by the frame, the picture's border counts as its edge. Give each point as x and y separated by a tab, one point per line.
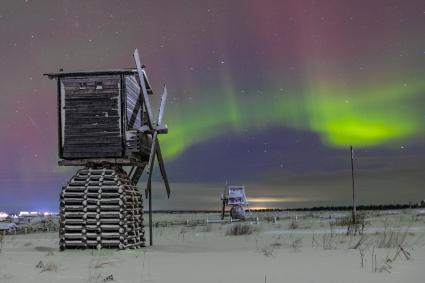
235	197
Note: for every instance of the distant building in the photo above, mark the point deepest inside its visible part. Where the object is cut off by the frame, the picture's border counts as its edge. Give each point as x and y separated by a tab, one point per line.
25	217
7	226
29	214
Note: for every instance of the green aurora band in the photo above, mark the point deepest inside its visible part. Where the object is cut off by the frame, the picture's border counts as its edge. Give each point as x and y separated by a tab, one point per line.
363	117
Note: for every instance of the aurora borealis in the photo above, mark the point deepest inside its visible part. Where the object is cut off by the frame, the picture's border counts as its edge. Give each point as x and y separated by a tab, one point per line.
269	94
364	118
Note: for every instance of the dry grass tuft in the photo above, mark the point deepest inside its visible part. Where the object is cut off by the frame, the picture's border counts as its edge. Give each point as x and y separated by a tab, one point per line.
295	243
205	229
392	238
40	264
50	266
267	251
293	225
109	278
102	264
240	229
276	245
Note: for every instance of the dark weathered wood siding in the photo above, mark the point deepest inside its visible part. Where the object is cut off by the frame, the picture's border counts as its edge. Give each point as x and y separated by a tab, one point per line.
91	117
132	91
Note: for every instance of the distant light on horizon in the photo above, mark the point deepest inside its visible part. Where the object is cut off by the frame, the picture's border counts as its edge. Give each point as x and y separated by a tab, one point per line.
3	215
274	199
259	207
35	213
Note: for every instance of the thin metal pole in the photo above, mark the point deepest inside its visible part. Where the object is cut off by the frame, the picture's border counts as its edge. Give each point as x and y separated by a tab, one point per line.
223	209
150	217
354	191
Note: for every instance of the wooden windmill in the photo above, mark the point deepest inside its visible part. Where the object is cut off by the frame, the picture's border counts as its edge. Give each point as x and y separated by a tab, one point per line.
235	197
106	124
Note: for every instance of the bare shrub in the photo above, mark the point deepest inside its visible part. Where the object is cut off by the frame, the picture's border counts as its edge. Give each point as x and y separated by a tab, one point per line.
392	237
183	231
295	243
43	249
329	241
353	227
400	249
344	221
276	245
205	229
290	242
109	278
50	266
94	274
362	255
240	229
40	264
314	242
360	242
267	250
101	264
293	225
389	260
333	240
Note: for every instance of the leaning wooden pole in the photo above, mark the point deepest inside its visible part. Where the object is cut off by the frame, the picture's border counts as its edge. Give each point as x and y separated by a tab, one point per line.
354	190
150	216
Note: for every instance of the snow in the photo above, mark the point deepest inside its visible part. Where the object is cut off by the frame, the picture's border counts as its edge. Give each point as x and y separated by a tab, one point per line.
203	253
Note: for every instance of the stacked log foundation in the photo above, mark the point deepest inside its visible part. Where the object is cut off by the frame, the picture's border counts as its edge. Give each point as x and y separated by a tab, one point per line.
101	208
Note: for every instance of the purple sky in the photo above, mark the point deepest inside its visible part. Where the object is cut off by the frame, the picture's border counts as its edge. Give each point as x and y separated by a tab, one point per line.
244	58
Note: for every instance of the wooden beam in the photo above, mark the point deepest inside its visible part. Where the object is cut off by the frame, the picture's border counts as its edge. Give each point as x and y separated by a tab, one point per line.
117	161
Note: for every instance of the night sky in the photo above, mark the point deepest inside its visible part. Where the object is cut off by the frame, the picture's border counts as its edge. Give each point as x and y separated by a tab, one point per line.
267	94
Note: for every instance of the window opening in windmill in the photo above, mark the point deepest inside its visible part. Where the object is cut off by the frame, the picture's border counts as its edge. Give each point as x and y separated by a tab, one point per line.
99	85
83	85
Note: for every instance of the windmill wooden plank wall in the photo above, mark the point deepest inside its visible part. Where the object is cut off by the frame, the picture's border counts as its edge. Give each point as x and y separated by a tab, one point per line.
92	125
96	114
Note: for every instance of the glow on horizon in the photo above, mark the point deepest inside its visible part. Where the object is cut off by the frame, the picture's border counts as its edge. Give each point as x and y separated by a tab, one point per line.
273	199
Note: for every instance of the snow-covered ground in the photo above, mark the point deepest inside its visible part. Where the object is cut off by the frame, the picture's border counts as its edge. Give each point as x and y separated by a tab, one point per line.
304	250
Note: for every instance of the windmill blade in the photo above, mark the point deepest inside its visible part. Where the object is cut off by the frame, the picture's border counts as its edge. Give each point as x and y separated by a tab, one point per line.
152	153
162	105
162	169
148	189
143	85
149	183
151	161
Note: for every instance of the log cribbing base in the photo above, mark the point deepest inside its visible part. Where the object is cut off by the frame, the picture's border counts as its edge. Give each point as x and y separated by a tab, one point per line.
101	208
